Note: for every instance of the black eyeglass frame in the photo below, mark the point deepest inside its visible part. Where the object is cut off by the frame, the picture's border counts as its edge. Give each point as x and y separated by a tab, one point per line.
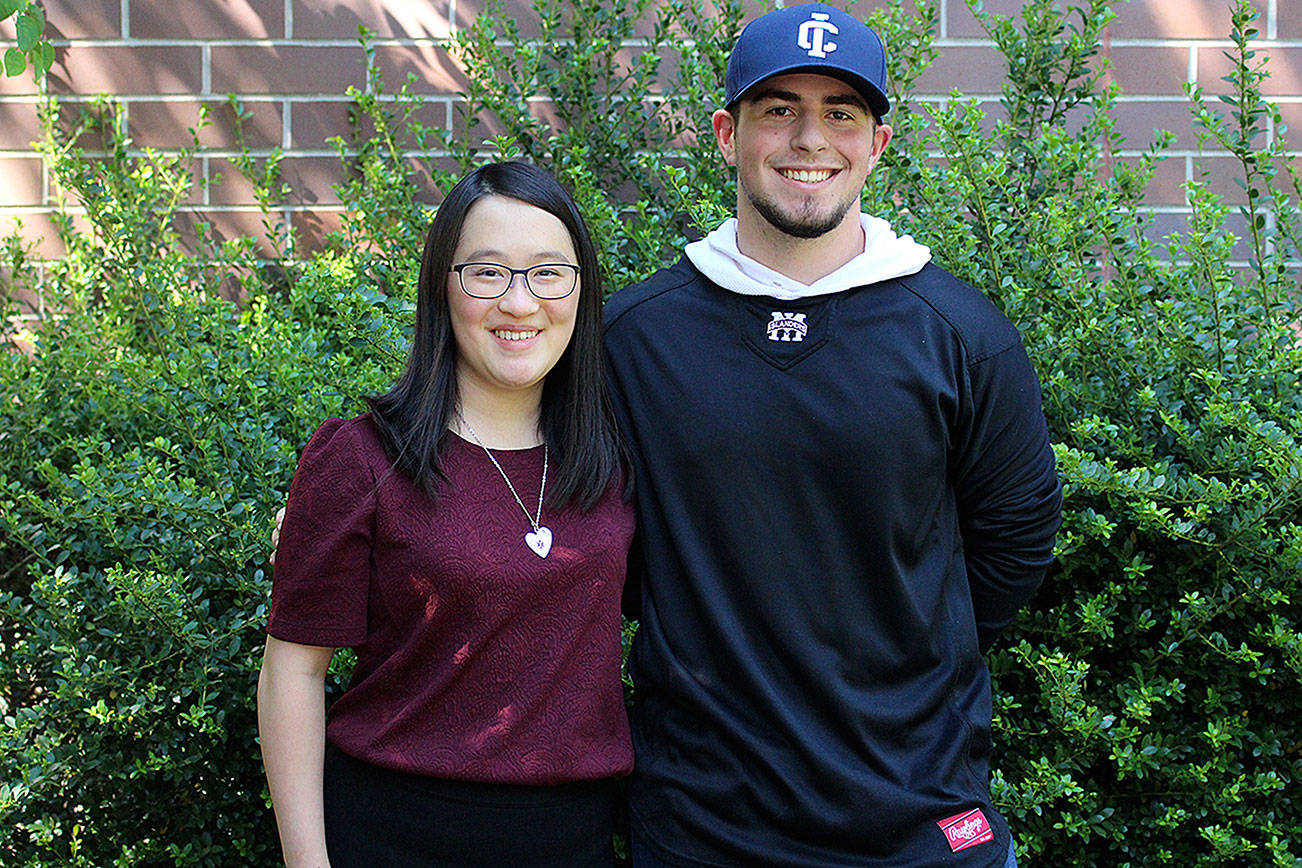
523	272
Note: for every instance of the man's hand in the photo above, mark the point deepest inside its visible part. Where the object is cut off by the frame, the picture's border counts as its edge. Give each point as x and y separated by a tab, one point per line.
275	535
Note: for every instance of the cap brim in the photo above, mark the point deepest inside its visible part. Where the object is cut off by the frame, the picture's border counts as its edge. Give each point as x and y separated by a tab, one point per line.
877	101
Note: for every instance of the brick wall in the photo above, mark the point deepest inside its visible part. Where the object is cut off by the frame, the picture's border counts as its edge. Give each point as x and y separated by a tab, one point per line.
291	60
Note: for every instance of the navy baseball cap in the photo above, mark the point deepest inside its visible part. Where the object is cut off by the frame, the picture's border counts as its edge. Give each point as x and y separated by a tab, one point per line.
811	37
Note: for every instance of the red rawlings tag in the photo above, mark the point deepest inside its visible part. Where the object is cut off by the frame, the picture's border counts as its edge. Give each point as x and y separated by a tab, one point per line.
966	830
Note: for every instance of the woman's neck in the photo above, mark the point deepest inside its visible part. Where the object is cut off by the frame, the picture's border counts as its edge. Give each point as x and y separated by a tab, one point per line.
500	420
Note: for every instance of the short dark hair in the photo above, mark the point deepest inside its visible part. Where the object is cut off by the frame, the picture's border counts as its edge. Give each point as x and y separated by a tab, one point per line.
576	418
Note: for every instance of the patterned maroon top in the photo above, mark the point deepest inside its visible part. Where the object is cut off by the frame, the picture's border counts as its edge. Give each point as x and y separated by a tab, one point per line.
477	660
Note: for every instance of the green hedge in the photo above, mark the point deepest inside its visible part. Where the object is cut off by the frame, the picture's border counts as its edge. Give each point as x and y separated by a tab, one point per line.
1145	707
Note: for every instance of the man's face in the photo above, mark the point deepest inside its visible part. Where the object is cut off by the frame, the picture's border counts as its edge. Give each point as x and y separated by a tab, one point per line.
803	145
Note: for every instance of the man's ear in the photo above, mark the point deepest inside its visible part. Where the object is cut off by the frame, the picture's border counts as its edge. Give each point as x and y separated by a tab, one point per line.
882	134
725	131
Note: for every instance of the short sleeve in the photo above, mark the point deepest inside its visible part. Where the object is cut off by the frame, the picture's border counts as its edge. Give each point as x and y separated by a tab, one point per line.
322	574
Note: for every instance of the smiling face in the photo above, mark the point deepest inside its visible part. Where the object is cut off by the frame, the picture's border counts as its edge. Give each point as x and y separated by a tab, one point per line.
803	145
508	344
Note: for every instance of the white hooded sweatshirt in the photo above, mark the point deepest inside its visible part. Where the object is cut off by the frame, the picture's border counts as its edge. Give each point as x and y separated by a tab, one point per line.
885	256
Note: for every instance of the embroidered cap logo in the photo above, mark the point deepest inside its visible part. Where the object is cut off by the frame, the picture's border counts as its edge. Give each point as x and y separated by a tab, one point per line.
812	32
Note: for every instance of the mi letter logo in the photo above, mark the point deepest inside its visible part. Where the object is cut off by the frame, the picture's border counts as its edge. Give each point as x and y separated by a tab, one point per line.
787	327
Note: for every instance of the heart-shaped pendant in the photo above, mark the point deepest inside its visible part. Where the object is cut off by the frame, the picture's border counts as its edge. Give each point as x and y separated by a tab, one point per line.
540	541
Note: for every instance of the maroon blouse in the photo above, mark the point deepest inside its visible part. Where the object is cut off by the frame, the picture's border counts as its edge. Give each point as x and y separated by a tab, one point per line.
477	660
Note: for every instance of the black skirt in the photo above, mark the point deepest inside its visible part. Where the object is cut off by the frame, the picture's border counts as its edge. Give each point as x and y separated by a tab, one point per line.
376	817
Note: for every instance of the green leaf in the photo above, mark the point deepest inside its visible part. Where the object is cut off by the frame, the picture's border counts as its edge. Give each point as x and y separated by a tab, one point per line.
43	58
30	23
15	62
9	7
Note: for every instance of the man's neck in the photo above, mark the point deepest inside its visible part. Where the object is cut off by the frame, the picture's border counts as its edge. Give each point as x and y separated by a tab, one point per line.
806	260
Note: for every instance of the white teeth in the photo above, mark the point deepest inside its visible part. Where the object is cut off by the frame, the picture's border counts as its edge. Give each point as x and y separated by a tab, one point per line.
808	176
515	336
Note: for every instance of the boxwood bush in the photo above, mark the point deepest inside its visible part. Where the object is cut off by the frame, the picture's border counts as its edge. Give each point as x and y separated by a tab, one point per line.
1145	701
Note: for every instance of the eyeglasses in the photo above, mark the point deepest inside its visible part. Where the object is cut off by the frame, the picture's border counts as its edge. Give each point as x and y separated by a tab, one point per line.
550	280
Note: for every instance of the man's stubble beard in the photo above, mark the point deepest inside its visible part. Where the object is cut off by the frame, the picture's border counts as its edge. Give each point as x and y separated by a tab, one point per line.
807	226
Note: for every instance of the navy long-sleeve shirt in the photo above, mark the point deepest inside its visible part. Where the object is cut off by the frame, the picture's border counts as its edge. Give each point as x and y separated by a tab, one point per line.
842	500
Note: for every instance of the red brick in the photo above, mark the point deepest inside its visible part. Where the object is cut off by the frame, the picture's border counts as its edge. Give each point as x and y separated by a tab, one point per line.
1150	71
644	26
22	84
331	19
310	180
435	70
19	125
82	19
1285	65
227	184
96	121
37	228
962	24
20	181
668	72
72	19
168	124
204	19
701	15
1166	224
991	113
312	122
1289	20
1291	112
1167	184
1177	19
286	69
1223	177
312	227
488	125
428	192
1138	121
527	22
227	225
151	69
970	69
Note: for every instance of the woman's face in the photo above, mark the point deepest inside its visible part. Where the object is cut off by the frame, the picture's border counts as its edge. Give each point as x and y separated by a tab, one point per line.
509	343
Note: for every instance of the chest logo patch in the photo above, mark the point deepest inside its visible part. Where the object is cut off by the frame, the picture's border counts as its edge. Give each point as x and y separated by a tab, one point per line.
787	327
966	830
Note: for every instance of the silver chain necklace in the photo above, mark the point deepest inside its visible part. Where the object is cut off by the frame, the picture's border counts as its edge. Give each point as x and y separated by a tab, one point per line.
539	539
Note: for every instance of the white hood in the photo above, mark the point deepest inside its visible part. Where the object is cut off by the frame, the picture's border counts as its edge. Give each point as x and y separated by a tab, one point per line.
885	256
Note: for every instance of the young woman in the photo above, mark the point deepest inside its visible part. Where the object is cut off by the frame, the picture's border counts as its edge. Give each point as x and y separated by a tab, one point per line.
468	538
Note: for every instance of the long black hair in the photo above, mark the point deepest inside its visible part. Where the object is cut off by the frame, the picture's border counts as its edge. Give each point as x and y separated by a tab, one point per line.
576	419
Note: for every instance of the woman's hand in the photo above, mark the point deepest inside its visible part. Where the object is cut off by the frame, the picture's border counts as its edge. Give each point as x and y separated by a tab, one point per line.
275	535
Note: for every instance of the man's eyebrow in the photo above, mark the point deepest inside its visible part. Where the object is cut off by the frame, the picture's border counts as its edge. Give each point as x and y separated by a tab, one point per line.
850	99
842	99
775	93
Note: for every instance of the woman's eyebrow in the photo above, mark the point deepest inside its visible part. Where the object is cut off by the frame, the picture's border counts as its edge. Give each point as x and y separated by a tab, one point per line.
486	255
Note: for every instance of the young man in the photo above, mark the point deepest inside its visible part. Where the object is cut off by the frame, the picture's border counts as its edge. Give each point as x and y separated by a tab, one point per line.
845	490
